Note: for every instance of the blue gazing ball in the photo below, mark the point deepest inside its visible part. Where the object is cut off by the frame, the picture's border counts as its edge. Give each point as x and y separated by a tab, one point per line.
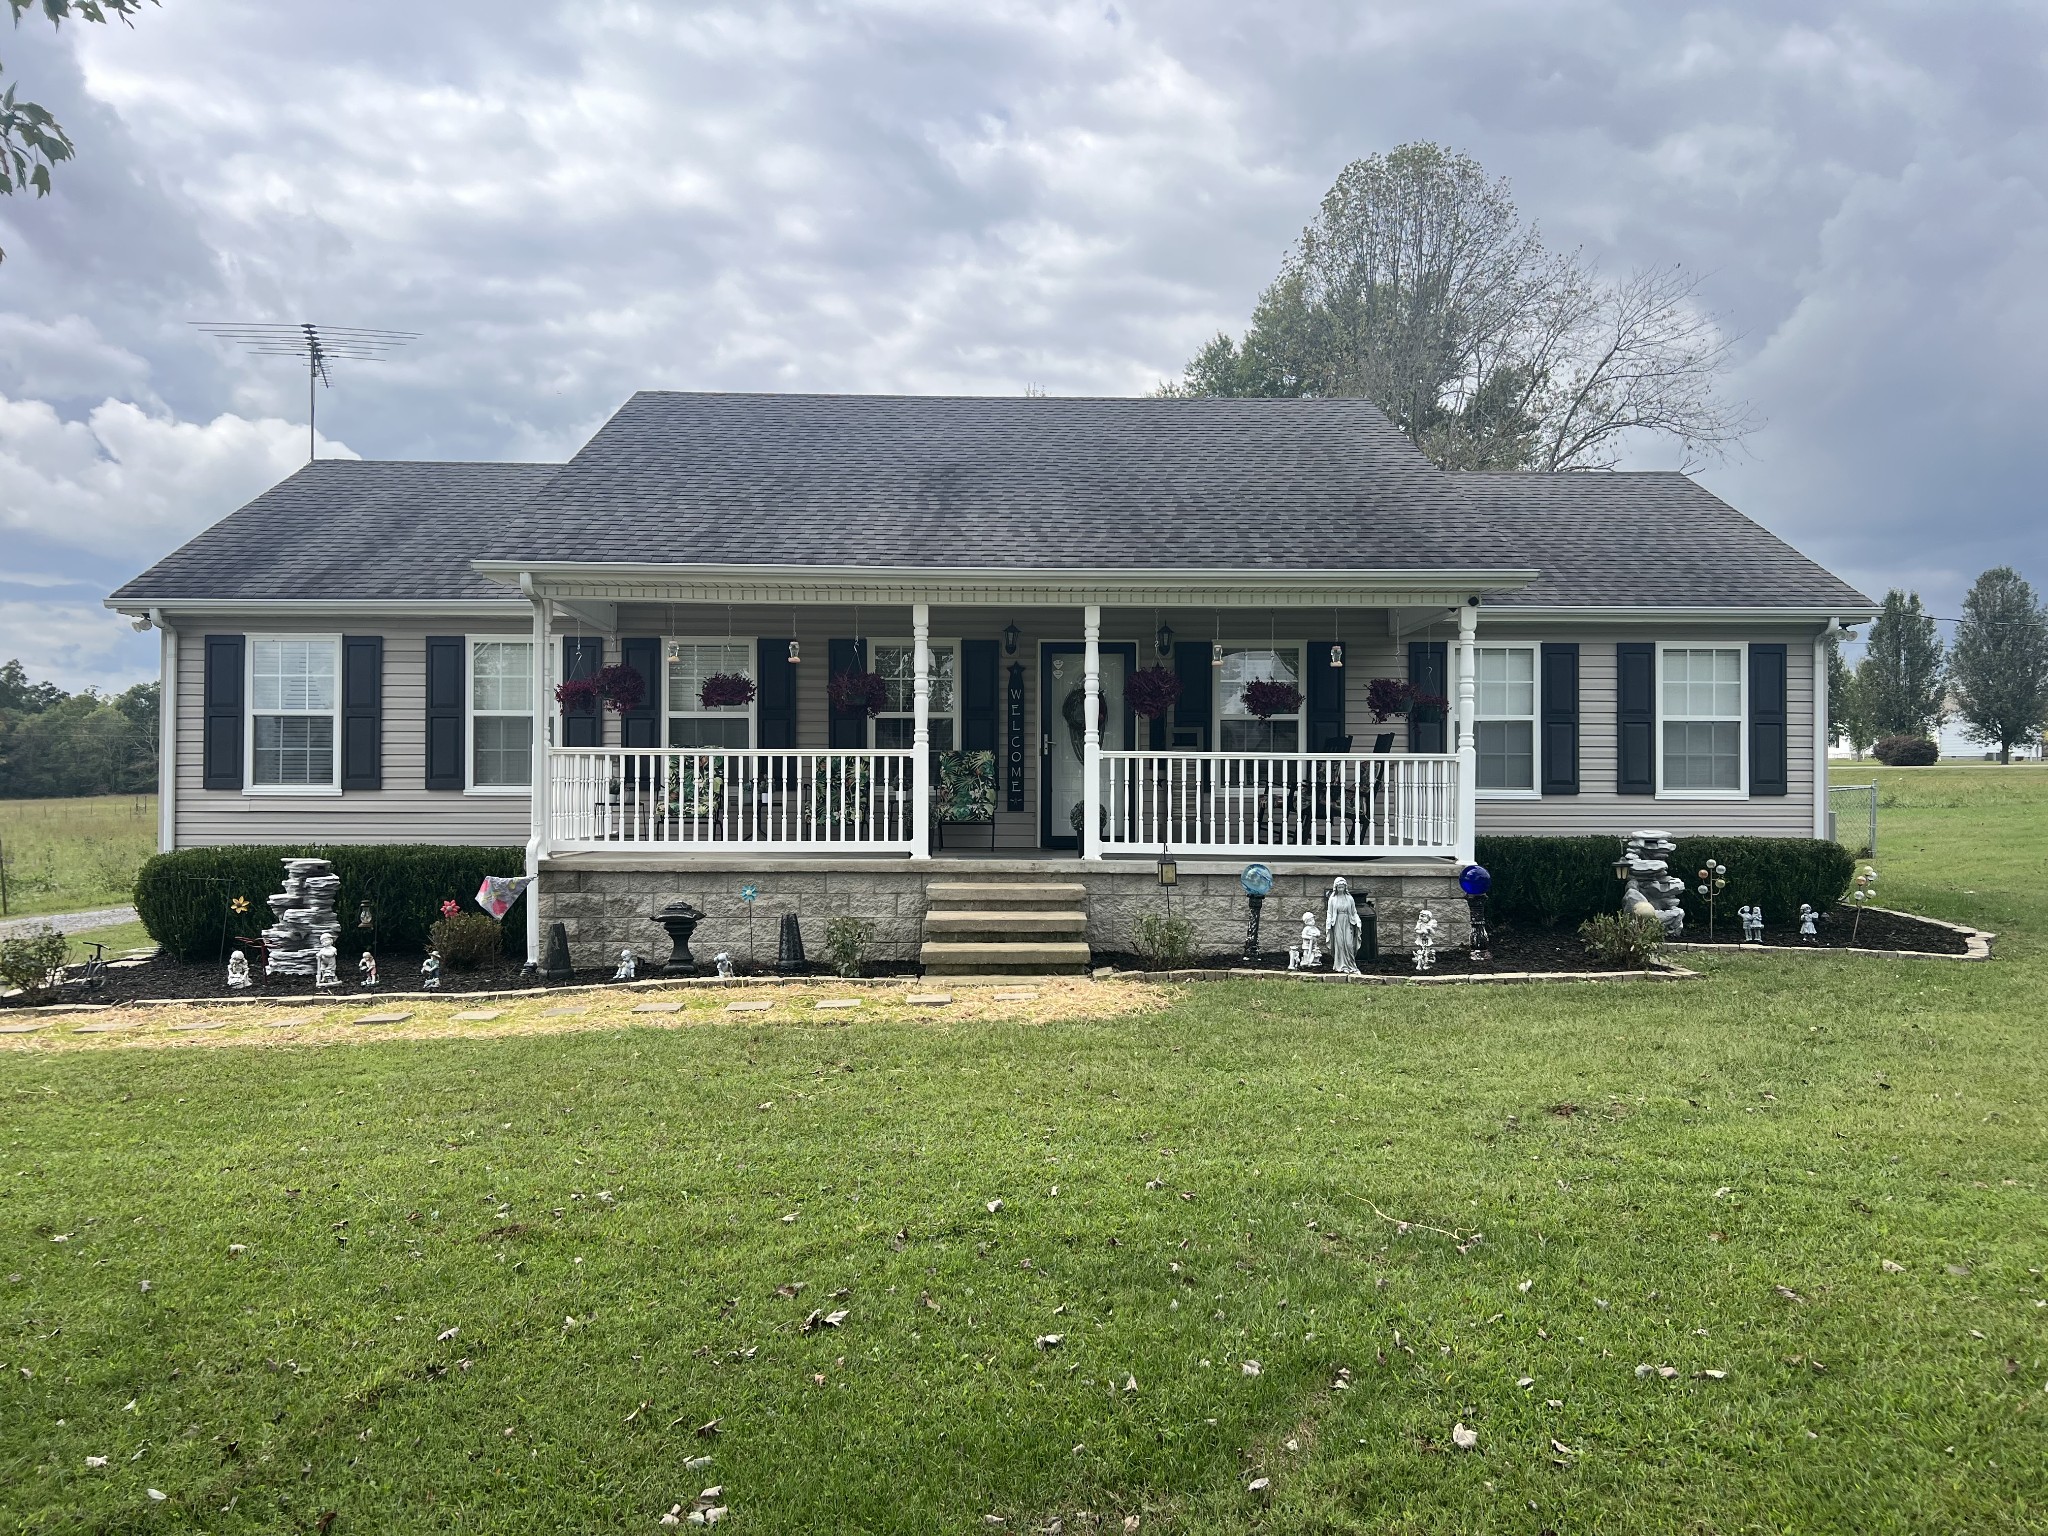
1475	881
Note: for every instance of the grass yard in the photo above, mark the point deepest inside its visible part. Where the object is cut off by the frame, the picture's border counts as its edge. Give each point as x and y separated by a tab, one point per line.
74	855
468	1285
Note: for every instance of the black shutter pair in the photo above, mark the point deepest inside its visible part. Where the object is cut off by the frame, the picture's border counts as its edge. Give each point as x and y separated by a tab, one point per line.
225	659
1636	719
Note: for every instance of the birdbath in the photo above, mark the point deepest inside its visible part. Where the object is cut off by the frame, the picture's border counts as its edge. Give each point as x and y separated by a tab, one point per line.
681	920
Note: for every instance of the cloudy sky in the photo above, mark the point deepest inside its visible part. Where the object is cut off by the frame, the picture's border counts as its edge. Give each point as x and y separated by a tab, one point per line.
572	201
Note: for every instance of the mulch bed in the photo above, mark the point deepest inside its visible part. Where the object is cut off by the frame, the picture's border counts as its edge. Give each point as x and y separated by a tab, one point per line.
1842	929
1514	949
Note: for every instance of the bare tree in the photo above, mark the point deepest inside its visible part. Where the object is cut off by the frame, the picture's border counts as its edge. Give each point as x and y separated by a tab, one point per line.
1419	286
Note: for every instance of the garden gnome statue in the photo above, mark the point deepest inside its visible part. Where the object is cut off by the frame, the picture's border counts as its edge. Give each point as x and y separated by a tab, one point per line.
1425	939
325	968
1809	924
1307	953
628	966
1340	922
724	963
430	971
366	967
238	971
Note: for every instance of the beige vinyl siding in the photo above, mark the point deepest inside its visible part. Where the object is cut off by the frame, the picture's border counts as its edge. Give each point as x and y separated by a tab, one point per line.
1596	810
403	811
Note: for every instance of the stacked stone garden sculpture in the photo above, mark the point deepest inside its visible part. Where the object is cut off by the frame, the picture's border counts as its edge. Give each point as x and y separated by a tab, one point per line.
303	918
1652	890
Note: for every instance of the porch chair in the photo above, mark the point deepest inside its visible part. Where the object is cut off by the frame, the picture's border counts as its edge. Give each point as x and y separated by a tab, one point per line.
963	793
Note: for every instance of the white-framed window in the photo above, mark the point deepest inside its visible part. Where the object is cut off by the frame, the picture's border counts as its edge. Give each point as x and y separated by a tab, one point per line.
1239	730
1701	707
294	714
1504	718
896	661
689	723
500	715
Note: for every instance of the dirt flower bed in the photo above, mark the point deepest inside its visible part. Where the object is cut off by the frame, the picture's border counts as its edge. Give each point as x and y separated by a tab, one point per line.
1841	928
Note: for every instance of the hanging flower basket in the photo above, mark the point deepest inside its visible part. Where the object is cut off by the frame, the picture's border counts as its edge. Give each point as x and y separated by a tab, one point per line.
1152	691
1433	706
726	690
1266	698
858	693
618	687
578	695
1389	697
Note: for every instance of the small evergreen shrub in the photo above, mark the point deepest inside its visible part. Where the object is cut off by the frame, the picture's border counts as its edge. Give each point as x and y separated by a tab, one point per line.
32	960
1906	752
846	943
1164	941
1627	939
186	898
467	940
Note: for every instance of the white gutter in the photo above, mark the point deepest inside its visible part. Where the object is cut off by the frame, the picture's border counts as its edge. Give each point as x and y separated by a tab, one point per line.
167	734
1423	577
539	801
267	607
1637	613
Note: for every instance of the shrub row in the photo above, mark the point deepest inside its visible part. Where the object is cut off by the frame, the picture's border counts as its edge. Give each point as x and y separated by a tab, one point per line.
186	899
1557	880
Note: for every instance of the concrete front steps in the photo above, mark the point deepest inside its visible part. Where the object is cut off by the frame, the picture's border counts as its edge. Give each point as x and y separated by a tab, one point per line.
974	928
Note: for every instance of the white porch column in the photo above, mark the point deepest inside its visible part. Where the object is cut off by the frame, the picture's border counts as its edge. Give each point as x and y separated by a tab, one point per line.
538	802
1820	729
1468	745
921	731
167	737
1091	734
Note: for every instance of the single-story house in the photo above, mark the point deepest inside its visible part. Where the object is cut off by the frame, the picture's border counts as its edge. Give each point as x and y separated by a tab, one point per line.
1010	644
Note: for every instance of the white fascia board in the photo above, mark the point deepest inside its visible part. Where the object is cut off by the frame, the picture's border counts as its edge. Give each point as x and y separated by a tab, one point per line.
311	608
1642	614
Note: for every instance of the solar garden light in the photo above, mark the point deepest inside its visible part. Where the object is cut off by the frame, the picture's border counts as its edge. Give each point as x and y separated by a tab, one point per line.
1865	891
1713	881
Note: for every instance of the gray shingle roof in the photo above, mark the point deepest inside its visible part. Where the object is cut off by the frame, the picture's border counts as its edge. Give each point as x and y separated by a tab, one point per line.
1644	540
990	482
354	529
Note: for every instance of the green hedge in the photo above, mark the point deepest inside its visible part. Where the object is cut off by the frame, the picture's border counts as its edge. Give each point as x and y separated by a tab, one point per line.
185	898
1565	880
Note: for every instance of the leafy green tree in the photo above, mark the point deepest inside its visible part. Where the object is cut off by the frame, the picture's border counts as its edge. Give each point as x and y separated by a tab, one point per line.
31	140
1900	679
19	694
1419	287
1998	672
54	743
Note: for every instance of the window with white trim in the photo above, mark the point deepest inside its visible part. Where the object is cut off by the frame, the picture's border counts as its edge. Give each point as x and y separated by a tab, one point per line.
500	714
1239	729
690	723
1504	717
896	725
1700	694
294	712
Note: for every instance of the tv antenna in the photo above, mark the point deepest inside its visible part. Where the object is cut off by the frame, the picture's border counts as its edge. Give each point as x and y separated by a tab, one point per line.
317	344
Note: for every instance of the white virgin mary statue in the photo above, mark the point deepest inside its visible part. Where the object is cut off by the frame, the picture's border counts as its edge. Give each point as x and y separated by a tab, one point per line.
1340	922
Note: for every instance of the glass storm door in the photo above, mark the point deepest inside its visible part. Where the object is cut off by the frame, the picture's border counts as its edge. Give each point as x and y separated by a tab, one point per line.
1062	718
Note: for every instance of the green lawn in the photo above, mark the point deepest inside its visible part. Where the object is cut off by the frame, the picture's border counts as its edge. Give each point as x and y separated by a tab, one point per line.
74	855
600	1215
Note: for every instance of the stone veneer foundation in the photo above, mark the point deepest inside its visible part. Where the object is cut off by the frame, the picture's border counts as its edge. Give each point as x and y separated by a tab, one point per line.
607	902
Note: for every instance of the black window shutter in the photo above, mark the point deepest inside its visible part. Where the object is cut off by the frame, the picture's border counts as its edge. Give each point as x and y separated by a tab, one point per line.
1325	700
980	693
1767	721
582	724
640	726
447	675
1192	710
221	761
1428	670
1635	718
362	711
1558	720
775	706
849	732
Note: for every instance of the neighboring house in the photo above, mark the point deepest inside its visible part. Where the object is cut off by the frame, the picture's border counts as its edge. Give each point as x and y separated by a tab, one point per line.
369	652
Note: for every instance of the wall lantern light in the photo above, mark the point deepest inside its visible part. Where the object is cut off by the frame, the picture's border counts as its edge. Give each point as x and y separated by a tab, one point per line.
1169	872
1164	640
1011	635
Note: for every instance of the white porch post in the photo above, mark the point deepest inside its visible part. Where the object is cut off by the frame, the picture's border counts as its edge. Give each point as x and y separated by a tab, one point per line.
921	731
167	738
538	801
1820	729
1091	734
1468	746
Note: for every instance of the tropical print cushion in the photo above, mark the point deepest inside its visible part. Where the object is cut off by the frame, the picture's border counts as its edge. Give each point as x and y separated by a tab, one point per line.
964	787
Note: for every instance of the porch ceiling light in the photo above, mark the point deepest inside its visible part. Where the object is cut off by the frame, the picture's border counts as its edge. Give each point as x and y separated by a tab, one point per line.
1011	635
1164	639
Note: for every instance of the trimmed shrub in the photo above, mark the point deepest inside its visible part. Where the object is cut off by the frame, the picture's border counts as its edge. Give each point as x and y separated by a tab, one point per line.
1166	942
467	940
1906	752
1558	880
1629	939
186	898
846	943
32	960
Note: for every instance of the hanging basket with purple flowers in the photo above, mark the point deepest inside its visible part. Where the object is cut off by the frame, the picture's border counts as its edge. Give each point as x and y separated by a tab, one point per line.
858	693
1152	691
726	690
1267	698
1388	697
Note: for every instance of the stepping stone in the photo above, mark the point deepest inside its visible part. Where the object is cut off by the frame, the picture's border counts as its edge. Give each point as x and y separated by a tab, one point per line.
19	1029
101	1029
392	1016
562	1013
477	1015
748	1007
929	999
837	1002
659	1008
200	1024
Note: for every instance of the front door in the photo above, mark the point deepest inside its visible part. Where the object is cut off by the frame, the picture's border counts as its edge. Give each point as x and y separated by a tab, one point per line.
1062	717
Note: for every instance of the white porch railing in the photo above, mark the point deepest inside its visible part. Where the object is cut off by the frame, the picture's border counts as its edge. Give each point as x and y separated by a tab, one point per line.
691	798
1252	803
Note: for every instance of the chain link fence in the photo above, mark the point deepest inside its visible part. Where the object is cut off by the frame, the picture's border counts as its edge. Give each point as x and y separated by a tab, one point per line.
1852	818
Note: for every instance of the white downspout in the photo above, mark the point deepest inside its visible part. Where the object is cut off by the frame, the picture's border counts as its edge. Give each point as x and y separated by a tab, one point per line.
167	735
538	800
1820	728
921	732
1091	734
1468	748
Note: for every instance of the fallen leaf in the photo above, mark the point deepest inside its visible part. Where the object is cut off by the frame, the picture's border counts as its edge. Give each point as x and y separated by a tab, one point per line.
1562	1449
696	1463
834	1319
1250	1368
842	1293
1525	1382
789	1218
157	1495
1258	1485
1890	1268
95	1461
1668	1372
810	1324
1130	1383
994	1206
446	1334
1524	1286
1050	1340
924	1299
1713	1375
791	1290
706	1431
1788	1293
1464	1439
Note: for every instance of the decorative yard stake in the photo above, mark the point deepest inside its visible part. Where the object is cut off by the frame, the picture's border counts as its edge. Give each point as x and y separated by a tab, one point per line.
1257	881
1475	881
1713	881
1865	891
